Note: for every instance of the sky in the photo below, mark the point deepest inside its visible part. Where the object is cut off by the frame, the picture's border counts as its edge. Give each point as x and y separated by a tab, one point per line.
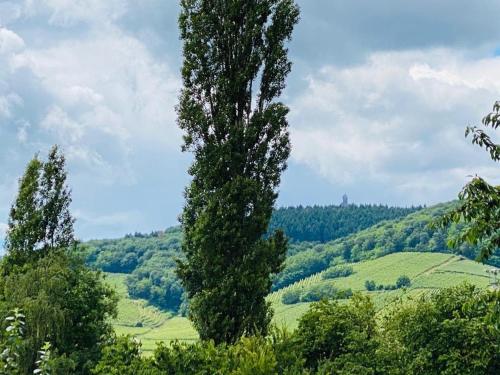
380	94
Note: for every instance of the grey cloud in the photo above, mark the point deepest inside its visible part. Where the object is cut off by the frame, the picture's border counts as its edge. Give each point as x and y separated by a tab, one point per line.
345	32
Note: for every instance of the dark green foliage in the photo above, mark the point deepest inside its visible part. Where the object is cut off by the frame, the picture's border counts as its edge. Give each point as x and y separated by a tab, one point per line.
11	345
300	266
370	285
154	254
64	303
39	219
453	331
25	220
479	201
341	333
323	291
150	261
403	281
410	233
249	356
123	357
235	65
292	296
327	223
315	293
338	271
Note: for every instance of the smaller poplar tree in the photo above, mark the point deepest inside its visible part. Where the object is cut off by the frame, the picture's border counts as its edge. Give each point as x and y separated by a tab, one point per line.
40	219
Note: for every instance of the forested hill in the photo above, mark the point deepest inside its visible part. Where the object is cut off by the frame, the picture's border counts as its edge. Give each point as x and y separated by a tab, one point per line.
326	223
149	260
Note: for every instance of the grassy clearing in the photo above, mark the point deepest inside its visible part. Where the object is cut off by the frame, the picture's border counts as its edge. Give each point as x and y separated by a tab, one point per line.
145	322
427	271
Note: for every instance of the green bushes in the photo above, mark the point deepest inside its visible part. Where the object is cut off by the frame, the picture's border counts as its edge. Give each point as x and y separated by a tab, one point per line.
64	303
314	293
341	333
149	259
338	271
451	331
403	281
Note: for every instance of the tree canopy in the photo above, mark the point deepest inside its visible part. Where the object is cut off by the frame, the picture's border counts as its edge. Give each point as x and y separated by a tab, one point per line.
479	201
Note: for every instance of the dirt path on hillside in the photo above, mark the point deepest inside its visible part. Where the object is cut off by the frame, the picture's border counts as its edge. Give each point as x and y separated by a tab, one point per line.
430	270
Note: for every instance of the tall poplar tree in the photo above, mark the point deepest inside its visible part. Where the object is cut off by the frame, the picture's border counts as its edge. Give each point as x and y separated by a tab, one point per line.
235	65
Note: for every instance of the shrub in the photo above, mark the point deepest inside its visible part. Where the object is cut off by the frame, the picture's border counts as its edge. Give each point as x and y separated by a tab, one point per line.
403	281
451	331
123	357
340	332
319	292
370	285
338	271
291	297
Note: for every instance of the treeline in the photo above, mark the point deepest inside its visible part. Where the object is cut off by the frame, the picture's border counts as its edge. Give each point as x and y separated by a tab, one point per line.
451	331
327	223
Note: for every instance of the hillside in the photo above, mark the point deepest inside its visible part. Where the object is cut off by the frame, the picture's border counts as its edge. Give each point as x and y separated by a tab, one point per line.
149	259
427	271
407	234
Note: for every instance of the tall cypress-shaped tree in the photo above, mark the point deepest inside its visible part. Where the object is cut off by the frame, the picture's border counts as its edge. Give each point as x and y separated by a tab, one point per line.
39	218
235	65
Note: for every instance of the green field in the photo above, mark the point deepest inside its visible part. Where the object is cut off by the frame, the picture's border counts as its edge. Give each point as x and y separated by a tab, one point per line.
145	322
427	271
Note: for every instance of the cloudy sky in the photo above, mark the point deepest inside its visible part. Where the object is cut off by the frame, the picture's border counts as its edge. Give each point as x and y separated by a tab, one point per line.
380	94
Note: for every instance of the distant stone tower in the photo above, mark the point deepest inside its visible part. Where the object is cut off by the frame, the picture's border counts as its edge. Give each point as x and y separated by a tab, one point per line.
345	201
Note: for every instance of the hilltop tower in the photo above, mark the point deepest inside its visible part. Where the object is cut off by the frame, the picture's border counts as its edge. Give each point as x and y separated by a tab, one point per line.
345	201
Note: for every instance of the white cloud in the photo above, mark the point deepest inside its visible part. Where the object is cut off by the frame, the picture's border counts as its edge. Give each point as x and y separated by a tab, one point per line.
71	12
110	83
60	123
10	42
8	102
397	120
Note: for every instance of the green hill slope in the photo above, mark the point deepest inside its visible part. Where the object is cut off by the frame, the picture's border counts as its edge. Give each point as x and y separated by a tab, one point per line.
149	260
407	234
427	271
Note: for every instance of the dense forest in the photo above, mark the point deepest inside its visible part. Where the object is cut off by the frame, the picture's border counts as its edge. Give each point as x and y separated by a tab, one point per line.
326	223
148	259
